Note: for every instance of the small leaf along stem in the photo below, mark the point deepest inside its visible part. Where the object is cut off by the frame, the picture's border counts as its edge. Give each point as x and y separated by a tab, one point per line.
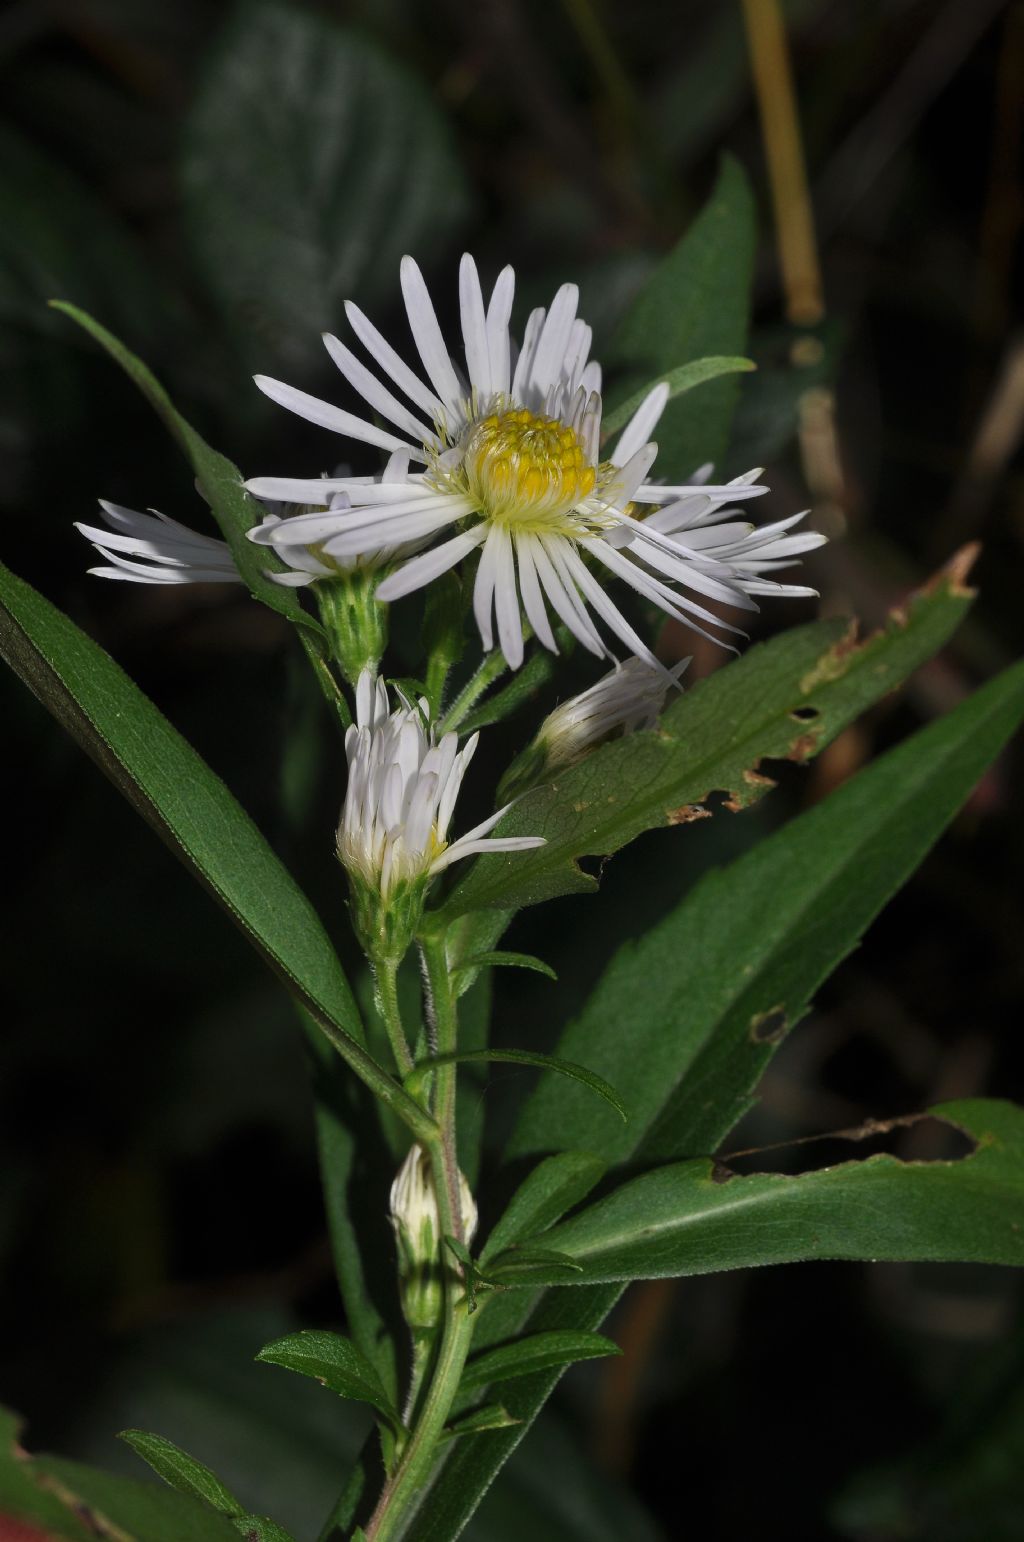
491	667
326	680
404	1489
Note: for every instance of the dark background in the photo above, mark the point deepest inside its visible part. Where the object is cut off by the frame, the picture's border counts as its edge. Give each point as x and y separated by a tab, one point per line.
159	1211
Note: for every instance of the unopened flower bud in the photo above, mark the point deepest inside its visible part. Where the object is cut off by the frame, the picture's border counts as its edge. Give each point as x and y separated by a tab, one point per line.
630	697
417	1227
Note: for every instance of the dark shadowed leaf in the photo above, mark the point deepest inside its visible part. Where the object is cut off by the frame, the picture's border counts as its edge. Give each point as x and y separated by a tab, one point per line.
694	306
313	162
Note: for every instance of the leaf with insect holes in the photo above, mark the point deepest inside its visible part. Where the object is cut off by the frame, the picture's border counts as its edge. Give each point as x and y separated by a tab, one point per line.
713	738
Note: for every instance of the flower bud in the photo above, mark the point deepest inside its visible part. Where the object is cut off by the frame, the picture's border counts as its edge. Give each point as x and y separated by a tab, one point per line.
417	1227
628	698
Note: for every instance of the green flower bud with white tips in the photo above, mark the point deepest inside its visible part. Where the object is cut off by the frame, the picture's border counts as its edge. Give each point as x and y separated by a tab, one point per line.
417	1227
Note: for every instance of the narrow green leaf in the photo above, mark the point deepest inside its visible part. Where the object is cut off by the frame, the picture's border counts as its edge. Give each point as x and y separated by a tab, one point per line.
547	1192
711	739
695	305
568	1068
491	1417
697	1218
182	1471
532	1266
258	1528
345	164
679	381
513	960
219	481
536	1352
192	811
686	1019
335	1362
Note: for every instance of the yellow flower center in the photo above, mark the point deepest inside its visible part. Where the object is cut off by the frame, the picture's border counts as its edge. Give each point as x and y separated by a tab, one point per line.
527	471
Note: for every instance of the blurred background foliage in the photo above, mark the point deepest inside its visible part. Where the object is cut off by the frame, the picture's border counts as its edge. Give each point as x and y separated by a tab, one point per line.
211	183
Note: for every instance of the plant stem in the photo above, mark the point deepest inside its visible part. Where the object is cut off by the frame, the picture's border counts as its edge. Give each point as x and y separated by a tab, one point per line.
484	675
404	1489
387	1004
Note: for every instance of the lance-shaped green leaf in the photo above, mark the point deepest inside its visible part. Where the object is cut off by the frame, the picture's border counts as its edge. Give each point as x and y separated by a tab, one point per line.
697	1217
500	959
491	1417
579	1073
536	1352
532	1266
546	1193
694	305
219	482
192	811
679	381
335	1362
183	1473
686	1019
784	699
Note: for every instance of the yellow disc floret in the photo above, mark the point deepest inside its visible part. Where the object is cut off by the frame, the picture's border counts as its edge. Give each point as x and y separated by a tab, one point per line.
527	471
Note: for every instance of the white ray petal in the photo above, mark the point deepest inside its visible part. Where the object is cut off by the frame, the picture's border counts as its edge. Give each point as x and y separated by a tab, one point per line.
641	425
325	415
524	363
376	394
499	314
533	598
506	604
428	339
381	350
483	588
424	569
553	340
474	329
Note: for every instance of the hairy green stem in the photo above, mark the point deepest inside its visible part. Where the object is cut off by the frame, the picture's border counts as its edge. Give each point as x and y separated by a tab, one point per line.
492	665
386	974
404	1489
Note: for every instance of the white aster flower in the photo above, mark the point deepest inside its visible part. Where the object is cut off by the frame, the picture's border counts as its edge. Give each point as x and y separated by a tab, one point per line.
399	802
164	551
627	699
309	556
155	549
512	467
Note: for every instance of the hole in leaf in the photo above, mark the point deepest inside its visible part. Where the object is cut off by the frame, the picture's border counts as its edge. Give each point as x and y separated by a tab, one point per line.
769	1027
805	714
910	1138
